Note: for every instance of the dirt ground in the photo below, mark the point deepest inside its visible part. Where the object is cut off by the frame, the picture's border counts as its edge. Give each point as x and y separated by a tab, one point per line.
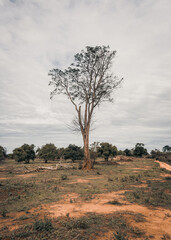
164	165
74	204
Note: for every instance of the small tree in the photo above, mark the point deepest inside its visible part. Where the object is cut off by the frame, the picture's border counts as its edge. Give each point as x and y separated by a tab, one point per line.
87	83
30	153
155	153
3	153
19	154
24	153
48	152
128	152
73	152
139	150
106	150
167	148
121	153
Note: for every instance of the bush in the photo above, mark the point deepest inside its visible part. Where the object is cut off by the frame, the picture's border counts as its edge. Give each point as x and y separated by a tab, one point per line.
4	213
43	225
121	153
120	235
81	223
161	156
64	177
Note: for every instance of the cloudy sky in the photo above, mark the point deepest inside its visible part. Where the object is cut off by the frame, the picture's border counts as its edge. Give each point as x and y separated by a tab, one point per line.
38	35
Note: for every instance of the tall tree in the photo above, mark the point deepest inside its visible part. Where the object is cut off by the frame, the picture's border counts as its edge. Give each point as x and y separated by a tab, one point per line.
87	83
139	150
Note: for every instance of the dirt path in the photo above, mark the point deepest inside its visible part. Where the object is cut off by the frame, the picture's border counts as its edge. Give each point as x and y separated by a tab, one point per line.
164	165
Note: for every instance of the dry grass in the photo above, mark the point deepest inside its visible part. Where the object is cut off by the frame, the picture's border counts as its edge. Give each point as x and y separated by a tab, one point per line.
24	198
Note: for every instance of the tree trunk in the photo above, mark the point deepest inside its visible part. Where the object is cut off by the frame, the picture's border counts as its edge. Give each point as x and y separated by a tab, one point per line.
87	164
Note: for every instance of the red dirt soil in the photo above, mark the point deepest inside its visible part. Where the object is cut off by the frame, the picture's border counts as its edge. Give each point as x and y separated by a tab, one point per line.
164	165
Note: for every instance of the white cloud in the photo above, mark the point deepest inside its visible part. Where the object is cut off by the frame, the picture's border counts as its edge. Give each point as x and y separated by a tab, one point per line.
39	35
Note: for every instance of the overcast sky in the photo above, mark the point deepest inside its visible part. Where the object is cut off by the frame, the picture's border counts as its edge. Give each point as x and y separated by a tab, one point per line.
38	35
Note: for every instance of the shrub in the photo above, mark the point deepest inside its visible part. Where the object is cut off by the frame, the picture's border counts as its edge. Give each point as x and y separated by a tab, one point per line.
43	225
115	202
64	177
120	235
121	153
4	213
81	223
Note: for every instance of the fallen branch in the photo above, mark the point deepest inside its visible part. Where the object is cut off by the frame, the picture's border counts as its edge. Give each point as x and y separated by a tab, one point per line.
57	167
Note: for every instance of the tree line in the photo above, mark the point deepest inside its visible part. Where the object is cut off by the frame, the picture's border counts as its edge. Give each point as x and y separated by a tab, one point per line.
105	150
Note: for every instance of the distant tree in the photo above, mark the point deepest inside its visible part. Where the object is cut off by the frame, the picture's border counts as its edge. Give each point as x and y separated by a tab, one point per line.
61	153
10	156
3	153
48	152
139	150
128	152
24	153
106	150
30	153
19	154
73	152
120	152
94	151
155	153
167	148
87	83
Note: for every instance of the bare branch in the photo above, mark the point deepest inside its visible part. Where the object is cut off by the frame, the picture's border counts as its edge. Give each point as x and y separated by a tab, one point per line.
87	83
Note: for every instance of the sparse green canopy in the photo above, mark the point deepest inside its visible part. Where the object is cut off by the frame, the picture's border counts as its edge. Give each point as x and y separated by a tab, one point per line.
48	152
24	153
88	78
139	150
107	150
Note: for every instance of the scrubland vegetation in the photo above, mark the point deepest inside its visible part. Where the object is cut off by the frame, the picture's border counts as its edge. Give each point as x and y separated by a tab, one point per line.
123	197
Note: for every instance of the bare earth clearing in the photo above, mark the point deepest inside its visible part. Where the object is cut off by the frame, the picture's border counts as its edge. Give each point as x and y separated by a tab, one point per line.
100	202
164	165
